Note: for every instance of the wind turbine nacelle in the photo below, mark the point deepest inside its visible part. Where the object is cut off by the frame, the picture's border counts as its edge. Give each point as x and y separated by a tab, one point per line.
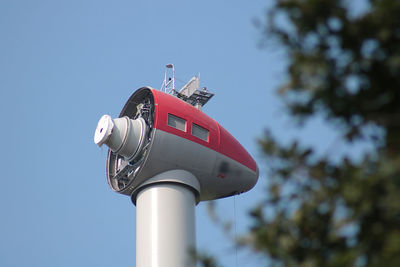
157	133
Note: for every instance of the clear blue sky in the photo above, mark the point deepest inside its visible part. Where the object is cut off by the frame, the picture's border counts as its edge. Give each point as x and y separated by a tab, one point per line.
63	64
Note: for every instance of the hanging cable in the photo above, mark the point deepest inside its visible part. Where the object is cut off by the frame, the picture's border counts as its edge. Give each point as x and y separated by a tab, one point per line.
235	236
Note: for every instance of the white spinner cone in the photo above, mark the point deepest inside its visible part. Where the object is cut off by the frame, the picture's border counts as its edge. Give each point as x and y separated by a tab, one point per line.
123	136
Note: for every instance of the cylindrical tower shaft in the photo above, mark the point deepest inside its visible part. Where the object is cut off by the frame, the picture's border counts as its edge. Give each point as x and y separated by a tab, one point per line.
165	226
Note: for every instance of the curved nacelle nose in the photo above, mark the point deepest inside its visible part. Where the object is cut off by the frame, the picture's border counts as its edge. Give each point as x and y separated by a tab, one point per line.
123	136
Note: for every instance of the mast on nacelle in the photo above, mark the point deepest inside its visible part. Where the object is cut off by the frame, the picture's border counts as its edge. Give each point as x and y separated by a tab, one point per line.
190	92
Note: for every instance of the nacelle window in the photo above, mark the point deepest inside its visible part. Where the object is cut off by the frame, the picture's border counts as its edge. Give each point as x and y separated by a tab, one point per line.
176	122
200	132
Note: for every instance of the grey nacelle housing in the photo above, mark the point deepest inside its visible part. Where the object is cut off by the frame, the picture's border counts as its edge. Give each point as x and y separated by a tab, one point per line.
164	152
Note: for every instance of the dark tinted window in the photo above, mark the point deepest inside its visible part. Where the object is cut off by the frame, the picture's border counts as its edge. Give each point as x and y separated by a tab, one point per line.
200	132
177	122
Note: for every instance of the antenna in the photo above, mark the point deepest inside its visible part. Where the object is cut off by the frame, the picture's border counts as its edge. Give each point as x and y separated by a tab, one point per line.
168	85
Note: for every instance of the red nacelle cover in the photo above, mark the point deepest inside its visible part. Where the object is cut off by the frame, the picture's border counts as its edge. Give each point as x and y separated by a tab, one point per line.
219	140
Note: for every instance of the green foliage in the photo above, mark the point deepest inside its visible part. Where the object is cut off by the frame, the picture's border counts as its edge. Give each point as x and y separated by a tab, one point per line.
346	66
327	214
203	259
